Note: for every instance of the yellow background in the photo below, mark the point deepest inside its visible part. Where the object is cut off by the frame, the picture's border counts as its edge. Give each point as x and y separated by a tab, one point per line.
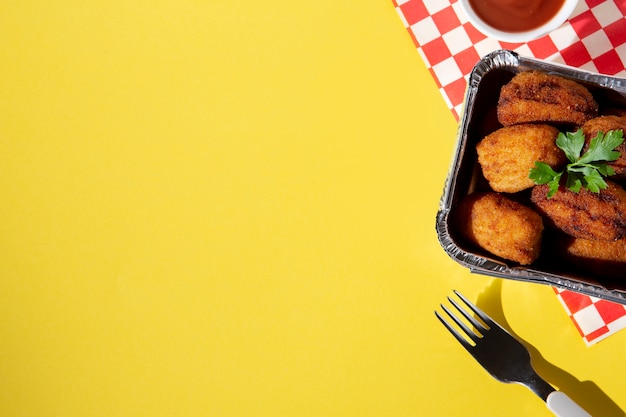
227	209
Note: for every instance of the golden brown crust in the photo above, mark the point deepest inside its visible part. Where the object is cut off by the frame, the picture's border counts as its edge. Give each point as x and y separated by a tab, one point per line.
507	155
604	124
585	215
601	258
533	96
501	226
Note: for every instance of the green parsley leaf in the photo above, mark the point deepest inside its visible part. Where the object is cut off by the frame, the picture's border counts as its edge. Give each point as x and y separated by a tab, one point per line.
571	143
595	182
604	169
602	147
574	181
542	173
585	171
553	185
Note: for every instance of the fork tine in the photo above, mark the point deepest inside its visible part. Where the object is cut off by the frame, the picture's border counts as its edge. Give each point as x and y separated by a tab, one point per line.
483	316
468	331
500	353
479	329
452	330
478	325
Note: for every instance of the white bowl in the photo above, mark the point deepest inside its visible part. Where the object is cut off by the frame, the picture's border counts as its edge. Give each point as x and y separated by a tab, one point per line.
559	18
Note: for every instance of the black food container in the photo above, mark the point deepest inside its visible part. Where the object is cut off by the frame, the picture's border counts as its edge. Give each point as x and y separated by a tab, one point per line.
465	177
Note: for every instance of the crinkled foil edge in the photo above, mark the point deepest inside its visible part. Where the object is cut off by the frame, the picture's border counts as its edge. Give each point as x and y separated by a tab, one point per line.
491	267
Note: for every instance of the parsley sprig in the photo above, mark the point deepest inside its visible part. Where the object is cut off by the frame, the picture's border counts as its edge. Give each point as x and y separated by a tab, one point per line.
585	170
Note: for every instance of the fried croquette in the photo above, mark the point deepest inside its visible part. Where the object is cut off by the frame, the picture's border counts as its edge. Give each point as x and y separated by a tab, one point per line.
601	258
604	124
501	226
536	97
507	155
585	215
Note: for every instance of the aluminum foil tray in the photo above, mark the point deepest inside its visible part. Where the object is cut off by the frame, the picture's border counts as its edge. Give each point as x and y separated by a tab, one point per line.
477	120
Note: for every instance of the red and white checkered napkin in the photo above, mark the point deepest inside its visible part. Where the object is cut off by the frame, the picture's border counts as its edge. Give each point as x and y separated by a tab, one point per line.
593	38
595	319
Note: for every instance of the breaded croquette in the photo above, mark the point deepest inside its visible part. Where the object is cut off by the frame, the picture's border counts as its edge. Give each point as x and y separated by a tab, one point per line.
501	226
605	124
601	258
536	97
507	155
585	215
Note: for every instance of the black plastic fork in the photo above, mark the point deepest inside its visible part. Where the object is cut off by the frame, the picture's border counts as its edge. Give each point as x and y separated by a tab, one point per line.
502	355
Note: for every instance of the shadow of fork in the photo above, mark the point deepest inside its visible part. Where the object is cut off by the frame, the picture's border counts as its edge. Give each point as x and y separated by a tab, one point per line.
586	393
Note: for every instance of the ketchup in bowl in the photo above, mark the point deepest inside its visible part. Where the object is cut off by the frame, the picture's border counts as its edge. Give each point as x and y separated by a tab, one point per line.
516	15
517	21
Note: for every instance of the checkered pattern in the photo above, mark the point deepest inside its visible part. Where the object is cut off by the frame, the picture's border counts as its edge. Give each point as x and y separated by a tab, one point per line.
595	319
594	39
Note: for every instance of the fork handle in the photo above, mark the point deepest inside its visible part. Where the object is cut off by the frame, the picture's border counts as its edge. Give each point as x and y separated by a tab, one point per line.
563	406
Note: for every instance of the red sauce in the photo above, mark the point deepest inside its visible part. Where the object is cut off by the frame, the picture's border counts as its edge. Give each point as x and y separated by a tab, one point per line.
516	15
